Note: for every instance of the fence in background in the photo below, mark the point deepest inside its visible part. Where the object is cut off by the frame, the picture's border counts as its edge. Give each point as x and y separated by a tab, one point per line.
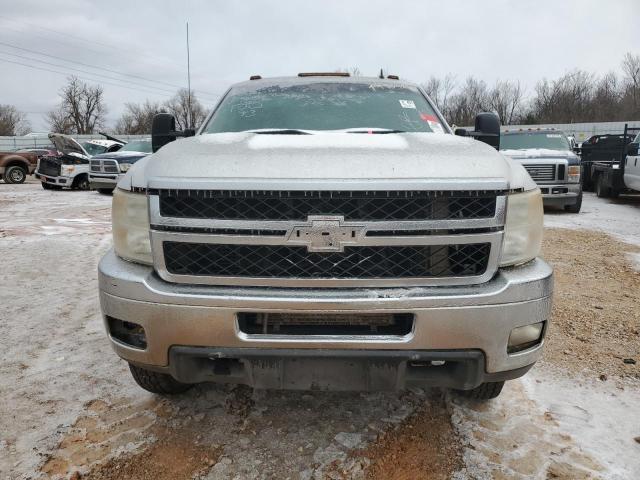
39	141
581	131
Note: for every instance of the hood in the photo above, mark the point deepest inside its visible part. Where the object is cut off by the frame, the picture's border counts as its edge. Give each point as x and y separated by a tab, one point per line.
123	157
67	145
526	153
360	161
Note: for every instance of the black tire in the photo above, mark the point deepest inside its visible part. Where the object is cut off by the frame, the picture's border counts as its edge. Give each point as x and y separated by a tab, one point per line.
48	186
575	208
15	174
484	391
602	191
105	191
81	182
156	382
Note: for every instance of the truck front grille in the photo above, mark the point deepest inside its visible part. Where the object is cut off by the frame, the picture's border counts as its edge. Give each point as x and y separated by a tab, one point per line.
49	166
362	262
352	205
104	166
541	172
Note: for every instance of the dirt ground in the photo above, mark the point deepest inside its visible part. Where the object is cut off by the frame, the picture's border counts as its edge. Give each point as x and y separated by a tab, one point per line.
69	408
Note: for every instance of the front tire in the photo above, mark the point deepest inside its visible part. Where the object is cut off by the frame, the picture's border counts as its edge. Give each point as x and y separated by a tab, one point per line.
602	191
81	182
156	382
15	174
484	391
575	208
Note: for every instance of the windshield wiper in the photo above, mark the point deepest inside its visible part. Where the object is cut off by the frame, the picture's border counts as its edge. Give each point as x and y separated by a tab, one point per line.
280	131
376	131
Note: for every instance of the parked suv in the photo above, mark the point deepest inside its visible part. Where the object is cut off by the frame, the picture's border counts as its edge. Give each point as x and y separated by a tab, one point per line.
107	168
326	232
549	159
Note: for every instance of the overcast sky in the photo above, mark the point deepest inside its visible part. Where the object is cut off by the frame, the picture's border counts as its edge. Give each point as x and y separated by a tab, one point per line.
494	39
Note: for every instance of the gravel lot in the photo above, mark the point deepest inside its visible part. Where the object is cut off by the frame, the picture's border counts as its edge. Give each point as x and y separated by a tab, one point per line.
69	408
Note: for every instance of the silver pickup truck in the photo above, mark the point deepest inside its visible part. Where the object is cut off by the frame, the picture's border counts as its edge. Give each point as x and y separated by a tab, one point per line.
326	232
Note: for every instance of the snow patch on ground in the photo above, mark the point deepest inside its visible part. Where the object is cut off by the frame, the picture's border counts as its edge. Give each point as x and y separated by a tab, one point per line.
602	421
617	217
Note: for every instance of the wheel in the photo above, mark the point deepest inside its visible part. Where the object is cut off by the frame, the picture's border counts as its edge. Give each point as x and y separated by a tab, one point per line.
81	182
15	174
156	382
48	186
105	191
602	191
484	391
614	193
575	208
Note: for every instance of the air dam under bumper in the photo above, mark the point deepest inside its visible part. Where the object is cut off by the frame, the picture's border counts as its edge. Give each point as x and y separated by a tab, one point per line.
192	331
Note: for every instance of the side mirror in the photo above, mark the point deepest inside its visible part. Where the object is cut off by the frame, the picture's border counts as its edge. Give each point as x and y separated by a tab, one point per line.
487	129
632	149
163	131
461	132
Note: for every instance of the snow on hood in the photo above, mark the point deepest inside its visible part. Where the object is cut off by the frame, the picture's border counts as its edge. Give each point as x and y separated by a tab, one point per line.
538	153
250	160
121	156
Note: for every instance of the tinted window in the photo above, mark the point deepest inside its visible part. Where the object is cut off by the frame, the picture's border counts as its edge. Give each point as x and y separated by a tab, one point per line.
524	140
137	146
326	106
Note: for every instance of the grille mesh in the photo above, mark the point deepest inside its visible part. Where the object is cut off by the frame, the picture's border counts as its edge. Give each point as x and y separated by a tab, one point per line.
49	166
276	261
298	205
542	172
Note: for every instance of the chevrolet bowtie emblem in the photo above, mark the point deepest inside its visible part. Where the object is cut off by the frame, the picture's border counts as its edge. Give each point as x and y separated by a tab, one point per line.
326	233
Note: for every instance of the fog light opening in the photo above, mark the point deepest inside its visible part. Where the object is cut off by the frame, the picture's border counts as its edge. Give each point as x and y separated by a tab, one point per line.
525	337
128	333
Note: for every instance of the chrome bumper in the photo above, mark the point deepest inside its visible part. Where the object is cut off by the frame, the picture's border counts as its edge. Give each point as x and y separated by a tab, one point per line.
567	198
104	180
478	317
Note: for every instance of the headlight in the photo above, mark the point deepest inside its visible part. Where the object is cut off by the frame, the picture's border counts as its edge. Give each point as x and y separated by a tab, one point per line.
574	173
130	217
124	167
523	228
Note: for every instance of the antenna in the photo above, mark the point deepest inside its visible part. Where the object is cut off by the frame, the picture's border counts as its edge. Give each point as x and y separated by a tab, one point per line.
188	82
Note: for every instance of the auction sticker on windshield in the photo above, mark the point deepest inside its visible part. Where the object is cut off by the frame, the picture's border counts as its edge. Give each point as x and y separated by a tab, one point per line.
434	123
407	104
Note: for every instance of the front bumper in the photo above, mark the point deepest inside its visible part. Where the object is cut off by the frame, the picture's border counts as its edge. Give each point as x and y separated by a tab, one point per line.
450	324
104	180
560	194
62	181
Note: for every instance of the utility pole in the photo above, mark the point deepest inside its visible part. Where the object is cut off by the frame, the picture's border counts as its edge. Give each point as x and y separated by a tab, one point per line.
188	82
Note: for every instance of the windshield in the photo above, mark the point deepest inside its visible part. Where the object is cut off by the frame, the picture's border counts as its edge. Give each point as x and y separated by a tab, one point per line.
524	140
137	146
93	149
326	106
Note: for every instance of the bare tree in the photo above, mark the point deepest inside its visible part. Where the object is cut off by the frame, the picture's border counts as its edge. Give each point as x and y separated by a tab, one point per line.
178	105
473	97
565	100
506	98
631	70
137	118
13	121
81	108
440	90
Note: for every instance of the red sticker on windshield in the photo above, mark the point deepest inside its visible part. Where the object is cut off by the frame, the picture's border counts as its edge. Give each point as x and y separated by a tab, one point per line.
428	118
